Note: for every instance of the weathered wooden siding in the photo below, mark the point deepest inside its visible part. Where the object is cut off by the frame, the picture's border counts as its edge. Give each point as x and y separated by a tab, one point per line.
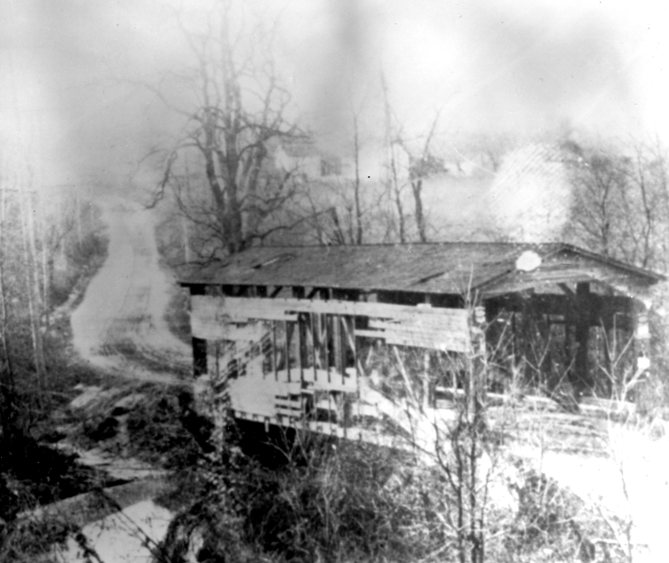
298	362
422	326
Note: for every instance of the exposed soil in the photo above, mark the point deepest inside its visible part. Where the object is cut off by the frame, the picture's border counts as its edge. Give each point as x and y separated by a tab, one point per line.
119	331
120	325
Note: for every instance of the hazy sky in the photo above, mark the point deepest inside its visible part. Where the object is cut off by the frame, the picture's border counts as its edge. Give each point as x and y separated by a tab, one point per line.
70	69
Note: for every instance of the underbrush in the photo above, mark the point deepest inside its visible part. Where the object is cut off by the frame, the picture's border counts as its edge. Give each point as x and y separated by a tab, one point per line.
324	499
33	412
32	472
313	498
37	474
162	429
147	421
84	258
341	501
345	499
26	541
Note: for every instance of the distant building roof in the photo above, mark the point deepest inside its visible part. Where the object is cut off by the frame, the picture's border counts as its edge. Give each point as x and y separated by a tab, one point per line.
439	268
299	147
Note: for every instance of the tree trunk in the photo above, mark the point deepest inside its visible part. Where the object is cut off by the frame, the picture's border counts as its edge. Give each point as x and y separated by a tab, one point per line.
356	185
34	295
397	193
417	188
8	390
393	179
46	265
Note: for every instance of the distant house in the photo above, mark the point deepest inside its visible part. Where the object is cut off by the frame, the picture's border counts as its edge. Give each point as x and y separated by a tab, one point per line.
305	157
331	337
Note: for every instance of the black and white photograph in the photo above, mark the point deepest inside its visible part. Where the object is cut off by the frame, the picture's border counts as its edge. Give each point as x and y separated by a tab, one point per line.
334	281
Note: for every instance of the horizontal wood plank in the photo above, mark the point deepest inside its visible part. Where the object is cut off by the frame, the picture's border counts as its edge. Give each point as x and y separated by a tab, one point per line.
216	318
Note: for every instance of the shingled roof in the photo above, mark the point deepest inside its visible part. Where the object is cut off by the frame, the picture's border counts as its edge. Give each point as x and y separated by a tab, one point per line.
446	268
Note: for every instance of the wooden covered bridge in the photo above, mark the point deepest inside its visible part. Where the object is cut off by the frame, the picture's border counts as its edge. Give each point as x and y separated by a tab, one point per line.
339	337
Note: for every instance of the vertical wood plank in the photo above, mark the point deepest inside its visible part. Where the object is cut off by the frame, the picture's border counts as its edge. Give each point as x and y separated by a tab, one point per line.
274	358
198	345
326	340
582	333
314	343
286	327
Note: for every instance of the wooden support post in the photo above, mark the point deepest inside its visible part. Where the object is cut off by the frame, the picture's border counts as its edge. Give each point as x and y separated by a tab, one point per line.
300	342
298	292
350	334
514	338
314	344
300	335
338	347
326	342
337	335
477	382
286	351
604	384
641	337
198	345
582	380
324	332
274	351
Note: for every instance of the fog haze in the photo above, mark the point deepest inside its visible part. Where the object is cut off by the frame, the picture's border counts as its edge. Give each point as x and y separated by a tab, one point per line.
75	106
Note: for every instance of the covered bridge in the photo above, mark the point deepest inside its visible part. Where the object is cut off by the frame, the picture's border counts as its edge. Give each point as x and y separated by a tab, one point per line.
294	331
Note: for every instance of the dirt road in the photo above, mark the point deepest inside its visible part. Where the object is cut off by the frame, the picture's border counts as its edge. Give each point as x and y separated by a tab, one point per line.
120	326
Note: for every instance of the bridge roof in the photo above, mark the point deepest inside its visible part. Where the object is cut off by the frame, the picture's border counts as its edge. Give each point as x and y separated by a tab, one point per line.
436	268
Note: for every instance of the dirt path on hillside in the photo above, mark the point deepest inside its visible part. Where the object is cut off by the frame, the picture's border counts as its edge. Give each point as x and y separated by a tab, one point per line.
120	326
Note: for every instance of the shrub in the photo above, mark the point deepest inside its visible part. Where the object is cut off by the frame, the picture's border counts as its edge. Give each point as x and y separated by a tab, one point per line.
333	502
156	431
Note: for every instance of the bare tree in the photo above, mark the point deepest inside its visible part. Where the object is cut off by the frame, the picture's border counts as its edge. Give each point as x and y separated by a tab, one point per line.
356	184
240	112
338	213
645	206
7	382
35	303
340	210
411	171
621	203
421	166
599	184
394	182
